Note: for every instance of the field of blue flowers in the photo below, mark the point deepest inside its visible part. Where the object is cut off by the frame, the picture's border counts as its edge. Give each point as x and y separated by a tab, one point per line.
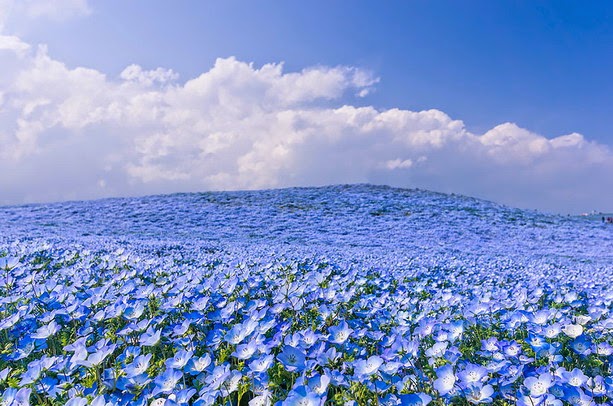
345	295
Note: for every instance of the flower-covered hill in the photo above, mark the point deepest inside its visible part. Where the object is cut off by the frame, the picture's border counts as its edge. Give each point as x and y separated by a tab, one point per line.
336	218
332	295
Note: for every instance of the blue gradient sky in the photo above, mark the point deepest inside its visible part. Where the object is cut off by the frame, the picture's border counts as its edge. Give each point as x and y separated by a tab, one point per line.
543	65
511	101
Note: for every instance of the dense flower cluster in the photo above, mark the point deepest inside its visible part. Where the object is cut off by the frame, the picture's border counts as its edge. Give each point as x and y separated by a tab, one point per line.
180	321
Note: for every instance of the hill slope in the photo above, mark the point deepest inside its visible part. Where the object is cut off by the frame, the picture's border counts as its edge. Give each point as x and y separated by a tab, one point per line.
363	219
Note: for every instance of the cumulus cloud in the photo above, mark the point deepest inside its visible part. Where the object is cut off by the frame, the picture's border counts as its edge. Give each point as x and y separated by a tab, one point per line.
76	133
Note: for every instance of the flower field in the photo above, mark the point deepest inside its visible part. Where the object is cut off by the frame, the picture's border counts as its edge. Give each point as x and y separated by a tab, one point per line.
345	295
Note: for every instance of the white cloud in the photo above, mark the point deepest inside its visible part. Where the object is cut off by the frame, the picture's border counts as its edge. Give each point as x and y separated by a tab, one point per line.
76	133
13	44
16	11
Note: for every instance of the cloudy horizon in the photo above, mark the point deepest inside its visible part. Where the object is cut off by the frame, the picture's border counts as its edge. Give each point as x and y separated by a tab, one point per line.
73	132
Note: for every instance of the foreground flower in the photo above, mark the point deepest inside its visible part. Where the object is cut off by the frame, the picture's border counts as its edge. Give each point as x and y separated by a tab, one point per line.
292	358
369	366
538	386
445	380
167	381
415	399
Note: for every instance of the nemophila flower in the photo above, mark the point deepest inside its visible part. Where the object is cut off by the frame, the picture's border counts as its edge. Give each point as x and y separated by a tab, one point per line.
195	365
134	312
540	317
537	342
576	377
456	329
7	263
391	368
183	396
445	380
245	351
100	401
442	336
339	334
292	340
490	345
150	338
437	350
576	396
182	328
479	394
78	357
292	359
236	334
309	338
138	366
527	400
167	381
538	386
262	363
367	367
389	400
201	303
163	402
77	344
77	401
329	356
319	384
552	330
596	386
415	399
218	376
301	396
98	357
9	322
260	400
582	345
46	331
573	330
472	374
4	374
179	360
582	319
604	349
32	374
231	383
14	397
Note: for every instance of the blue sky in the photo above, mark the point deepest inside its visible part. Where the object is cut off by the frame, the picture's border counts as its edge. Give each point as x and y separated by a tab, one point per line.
543	65
510	101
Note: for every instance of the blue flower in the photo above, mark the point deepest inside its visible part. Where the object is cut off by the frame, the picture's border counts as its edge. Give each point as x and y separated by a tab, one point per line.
319	384
166	382
368	367
245	351
538	385
197	364
472	374
262	364
292	359
46	331
576	377
301	396
138	366
445	380
339	334
14	397
415	399
480	394
150	338
179	360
